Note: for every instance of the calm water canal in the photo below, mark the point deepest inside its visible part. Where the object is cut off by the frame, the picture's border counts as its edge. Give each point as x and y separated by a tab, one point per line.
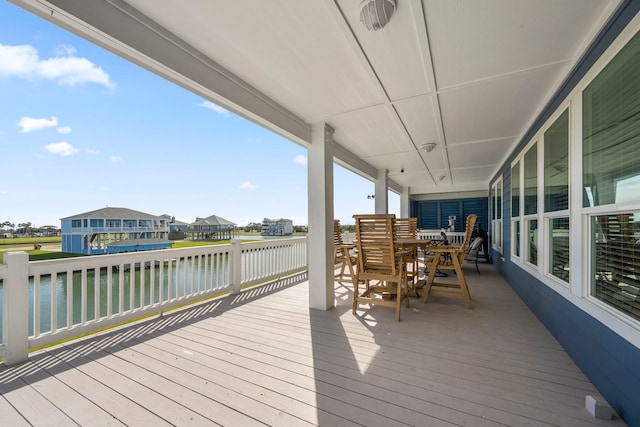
138	281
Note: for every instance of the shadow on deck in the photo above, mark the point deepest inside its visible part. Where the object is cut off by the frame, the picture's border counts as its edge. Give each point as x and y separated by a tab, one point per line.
264	357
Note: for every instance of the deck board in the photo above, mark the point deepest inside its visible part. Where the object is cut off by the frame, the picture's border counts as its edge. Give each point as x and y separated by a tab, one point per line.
262	357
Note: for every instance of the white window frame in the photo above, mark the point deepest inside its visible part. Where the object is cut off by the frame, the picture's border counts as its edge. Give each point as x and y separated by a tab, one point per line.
496	223
548	217
518	218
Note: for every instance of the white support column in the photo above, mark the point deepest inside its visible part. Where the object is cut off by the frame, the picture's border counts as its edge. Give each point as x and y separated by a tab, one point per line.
382	197
320	200
15	308
405	210
236	266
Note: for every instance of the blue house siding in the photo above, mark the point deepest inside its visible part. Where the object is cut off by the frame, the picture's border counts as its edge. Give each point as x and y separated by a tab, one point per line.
611	362
71	243
608	360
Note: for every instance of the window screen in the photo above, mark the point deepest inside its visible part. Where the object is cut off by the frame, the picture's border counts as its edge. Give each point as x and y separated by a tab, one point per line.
531	181
611	131
556	165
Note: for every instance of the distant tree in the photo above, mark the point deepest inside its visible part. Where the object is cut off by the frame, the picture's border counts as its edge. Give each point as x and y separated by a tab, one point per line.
26	227
351	228
253	226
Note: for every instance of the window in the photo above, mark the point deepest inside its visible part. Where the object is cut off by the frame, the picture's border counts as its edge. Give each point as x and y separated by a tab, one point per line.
611	131
515	208
611	176
615	264
556	196
530	182
496	209
556	165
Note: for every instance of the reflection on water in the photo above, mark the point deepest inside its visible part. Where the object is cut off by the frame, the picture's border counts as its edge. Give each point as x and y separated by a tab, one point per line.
115	293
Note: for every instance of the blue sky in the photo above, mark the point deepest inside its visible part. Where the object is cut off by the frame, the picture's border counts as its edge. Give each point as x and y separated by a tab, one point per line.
81	129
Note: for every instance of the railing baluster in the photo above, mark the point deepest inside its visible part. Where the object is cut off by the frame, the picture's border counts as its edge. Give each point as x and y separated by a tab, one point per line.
187	274
121	289
161	282
109	291
143	269
132	286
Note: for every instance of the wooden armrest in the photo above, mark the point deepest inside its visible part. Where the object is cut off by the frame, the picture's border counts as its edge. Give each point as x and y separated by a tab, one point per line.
346	246
445	249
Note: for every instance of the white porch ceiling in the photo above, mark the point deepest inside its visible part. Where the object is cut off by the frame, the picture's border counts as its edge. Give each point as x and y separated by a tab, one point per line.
471	76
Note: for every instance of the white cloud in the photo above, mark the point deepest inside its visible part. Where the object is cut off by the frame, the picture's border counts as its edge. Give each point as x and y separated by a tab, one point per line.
247	185
29	124
61	148
65	50
90	151
23	61
64	129
300	159
218	109
115	159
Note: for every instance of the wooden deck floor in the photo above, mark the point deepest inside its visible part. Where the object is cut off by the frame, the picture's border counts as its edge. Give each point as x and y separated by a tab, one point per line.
262	357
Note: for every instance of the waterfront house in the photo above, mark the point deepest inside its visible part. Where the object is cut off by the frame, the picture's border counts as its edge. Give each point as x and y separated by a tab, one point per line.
177	229
277	227
113	230
211	228
531	105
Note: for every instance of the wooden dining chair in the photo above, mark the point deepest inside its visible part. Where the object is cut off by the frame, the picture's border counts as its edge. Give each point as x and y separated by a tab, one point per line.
407	228
342	253
381	268
450	257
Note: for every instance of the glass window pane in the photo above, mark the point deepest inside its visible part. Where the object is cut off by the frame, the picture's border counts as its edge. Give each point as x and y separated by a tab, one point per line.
532	243
559	248
531	181
516	238
556	165
499	200
515	190
615	248
611	131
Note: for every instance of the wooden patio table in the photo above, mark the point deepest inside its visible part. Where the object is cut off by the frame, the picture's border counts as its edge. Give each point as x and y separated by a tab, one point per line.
406	245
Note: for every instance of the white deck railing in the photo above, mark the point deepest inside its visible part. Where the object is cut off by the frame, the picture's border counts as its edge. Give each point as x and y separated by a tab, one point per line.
48	301
454	237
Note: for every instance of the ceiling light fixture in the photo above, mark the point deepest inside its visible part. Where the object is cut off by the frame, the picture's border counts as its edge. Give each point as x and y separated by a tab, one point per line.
375	14
440	178
428	147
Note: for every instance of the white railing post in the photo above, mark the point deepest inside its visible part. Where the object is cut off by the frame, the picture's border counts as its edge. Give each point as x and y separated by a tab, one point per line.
236	266
16	308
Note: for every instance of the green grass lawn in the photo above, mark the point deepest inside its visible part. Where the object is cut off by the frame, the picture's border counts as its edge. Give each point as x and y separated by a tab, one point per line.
26	245
30	241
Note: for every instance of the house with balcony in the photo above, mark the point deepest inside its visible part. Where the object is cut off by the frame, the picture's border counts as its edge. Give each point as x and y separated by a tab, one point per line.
211	228
177	229
277	227
528	107
113	230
